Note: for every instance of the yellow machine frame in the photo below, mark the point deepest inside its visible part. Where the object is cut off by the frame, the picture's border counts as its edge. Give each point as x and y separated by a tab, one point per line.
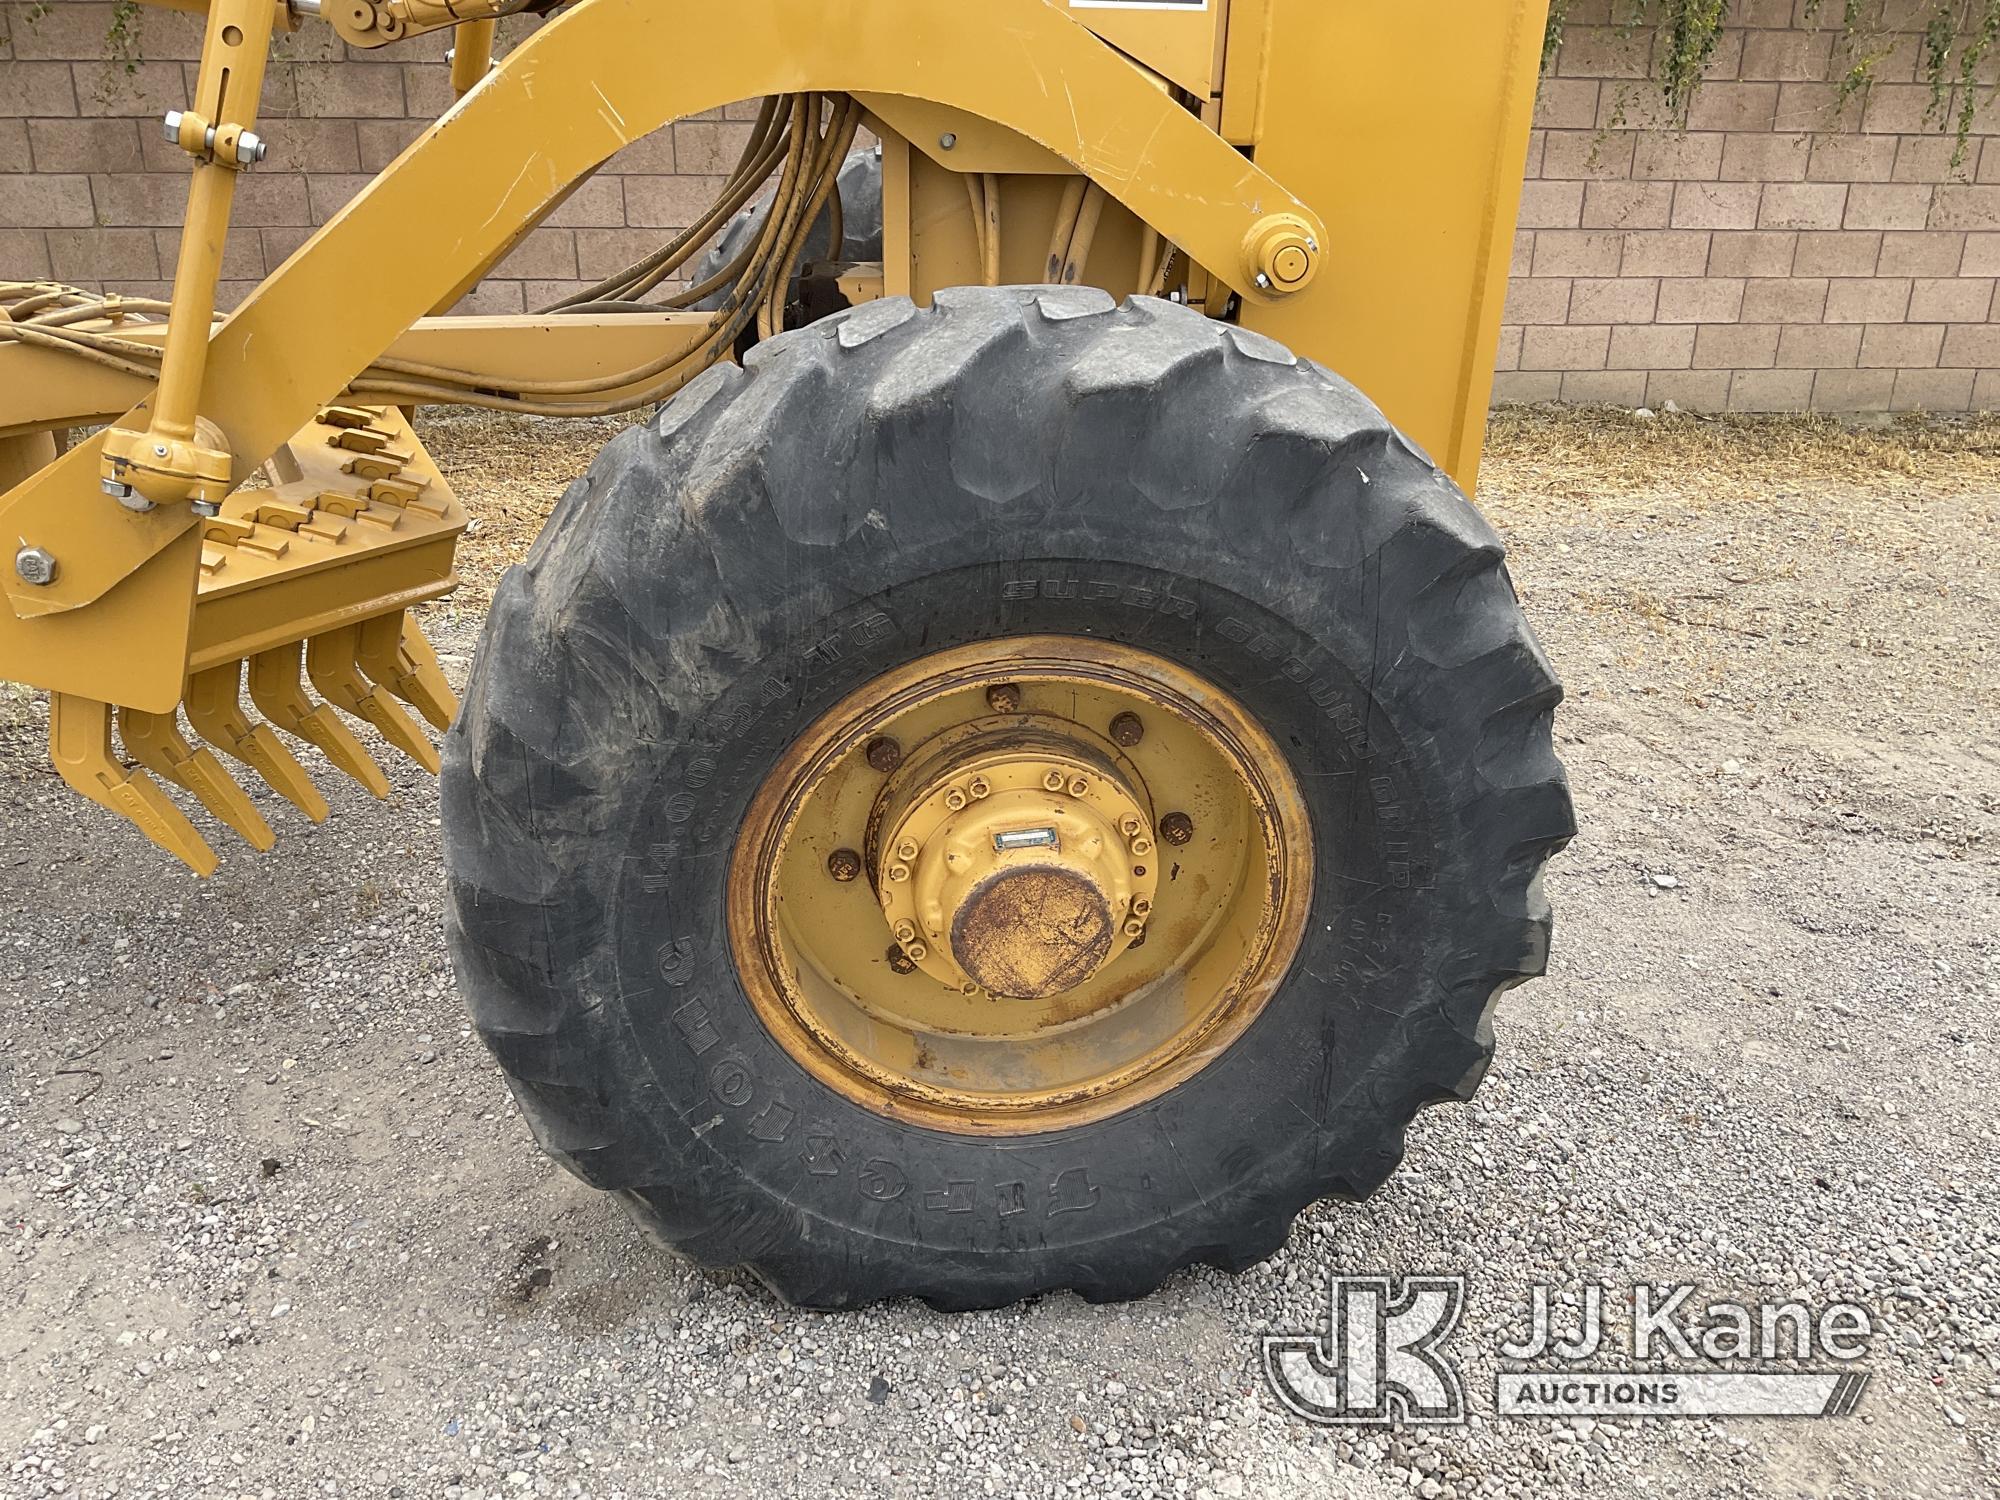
1298	163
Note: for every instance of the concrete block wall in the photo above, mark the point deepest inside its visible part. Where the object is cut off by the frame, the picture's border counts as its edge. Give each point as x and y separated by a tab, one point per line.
1778	253
1774	254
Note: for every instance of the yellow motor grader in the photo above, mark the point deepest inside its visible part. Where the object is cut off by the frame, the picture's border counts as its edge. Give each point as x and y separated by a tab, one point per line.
1019	775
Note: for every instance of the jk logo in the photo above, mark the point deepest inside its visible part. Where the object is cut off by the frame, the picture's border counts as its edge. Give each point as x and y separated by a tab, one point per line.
1377	1363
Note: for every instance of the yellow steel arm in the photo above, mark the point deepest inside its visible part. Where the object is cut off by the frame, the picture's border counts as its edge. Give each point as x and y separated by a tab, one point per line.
595	79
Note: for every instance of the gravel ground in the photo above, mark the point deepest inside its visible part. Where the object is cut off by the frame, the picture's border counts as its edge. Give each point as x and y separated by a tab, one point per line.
274	1229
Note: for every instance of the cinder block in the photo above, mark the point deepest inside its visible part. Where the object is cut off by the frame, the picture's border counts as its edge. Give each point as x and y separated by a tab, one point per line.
1666	252
1960	207
1508	357
37	88
1982	255
1625	388
23	253
1764	156
668	202
1691	390
1716	205
1672	156
1818	346
98	254
1971	346
1581	252
1551	205
1518	388
1842	253
1737	346
50	201
1933	390
1627	205
1901	346
1734	106
84	145
1853	390
1702	300
1770	390
1802	205
1849	157
1784	299
1888	205
1881	300
1763	252
1951	299
1564	348
1652	347
1613	299
1928	252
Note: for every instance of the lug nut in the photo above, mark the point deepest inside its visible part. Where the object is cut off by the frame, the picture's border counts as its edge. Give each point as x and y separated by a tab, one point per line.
1141	845
1130	824
907	849
843	865
917	951
1135	928
1127	731
1177	828
1079	785
980	787
899	961
906	932
884	754
955	800
1004	698
1141	906
1053	781
35	565
899	873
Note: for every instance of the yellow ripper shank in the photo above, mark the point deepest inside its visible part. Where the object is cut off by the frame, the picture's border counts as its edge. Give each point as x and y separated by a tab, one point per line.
309	579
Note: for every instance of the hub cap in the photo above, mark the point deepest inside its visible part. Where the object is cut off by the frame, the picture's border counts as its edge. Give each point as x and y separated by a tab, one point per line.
1086	871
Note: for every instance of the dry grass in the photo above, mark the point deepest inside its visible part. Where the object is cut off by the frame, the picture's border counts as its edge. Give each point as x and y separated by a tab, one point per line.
1541	456
1541	460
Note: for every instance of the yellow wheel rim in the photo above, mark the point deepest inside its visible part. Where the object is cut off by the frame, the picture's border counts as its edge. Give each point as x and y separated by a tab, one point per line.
1021	885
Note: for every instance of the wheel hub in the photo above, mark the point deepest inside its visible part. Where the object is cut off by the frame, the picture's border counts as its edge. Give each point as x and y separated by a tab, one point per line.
1018	863
1021	884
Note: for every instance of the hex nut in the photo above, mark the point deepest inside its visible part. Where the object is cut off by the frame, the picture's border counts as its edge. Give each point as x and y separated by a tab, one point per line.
1004	698
899	961
36	566
884	754
1127	730
1177	828
843	865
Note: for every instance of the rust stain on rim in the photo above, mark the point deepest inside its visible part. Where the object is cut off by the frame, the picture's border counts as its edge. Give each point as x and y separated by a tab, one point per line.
895	1040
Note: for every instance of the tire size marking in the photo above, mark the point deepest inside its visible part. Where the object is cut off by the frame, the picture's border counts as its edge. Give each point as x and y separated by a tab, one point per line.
1132	596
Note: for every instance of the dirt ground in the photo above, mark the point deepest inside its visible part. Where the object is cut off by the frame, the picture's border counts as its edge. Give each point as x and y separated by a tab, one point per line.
273	1228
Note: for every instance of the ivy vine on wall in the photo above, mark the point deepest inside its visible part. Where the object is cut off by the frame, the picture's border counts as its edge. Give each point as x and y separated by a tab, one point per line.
1955	42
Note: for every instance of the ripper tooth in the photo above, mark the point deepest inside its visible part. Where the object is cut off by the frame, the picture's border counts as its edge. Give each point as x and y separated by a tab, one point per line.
215	713
276	690
155	741
80	746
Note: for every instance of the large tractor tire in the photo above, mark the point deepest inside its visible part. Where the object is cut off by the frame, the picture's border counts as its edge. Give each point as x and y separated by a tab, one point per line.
1020	794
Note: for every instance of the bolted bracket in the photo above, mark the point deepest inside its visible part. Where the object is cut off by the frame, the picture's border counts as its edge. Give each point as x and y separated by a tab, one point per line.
157	468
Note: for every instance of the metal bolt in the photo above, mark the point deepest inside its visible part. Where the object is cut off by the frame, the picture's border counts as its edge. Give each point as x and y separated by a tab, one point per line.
1003	697
907	849
955	800
159	450
899	873
1130	824
917	952
1078	785
948	140
1140	906
843	865
1177	828
250	147
906	932
1053	781
1141	846
1263	282
884	754
36	566
205	507
1127	730
1135	928
900	962
170	126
